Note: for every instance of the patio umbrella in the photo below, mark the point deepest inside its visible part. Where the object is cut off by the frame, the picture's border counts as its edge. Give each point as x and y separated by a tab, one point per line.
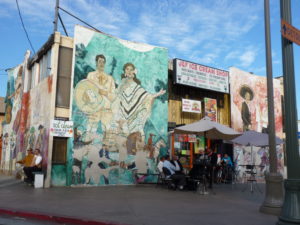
209	129
254	138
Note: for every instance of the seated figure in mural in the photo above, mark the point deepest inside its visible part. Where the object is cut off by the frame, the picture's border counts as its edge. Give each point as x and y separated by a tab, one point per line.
247	94
135	102
36	166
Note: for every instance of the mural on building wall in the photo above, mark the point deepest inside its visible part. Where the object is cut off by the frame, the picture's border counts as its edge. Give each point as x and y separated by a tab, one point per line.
10	145
119	110
26	123
249	111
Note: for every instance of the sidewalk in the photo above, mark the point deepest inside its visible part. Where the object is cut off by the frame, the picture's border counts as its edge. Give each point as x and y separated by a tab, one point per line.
139	205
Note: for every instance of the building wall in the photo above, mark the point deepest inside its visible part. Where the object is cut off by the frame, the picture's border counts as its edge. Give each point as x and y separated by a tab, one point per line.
240	81
27	118
120	132
178	92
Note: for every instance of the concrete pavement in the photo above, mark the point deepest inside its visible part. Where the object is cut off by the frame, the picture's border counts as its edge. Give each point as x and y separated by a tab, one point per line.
139	205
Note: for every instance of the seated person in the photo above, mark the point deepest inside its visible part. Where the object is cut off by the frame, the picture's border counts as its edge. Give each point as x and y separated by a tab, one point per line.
178	179
36	165
227	160
227	167
160	164
177	164
27	160
199	168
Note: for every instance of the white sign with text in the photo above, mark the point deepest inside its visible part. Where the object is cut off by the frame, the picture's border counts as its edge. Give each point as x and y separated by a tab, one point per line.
60	128
200	76
191	106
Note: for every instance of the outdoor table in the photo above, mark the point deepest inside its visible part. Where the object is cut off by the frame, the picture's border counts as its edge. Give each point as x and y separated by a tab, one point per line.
252	177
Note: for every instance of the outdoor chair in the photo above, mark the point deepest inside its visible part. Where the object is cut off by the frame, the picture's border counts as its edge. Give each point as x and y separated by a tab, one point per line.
166	180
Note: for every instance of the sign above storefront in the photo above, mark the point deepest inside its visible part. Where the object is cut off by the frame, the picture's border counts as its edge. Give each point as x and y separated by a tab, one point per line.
191	106
200	76
60	128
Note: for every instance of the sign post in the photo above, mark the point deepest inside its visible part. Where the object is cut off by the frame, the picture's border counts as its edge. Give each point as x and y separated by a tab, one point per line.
290	213
274	180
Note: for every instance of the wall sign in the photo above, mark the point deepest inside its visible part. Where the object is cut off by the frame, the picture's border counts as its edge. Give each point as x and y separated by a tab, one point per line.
60	128
191	106
200	76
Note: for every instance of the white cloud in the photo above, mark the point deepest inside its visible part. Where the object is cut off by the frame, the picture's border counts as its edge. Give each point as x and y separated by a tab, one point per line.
188	28
247	58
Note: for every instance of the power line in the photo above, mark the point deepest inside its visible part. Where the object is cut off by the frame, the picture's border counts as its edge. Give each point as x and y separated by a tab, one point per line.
24	27
62	23
79	19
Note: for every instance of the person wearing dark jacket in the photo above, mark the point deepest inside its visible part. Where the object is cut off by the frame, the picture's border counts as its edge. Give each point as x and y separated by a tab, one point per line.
177	164
212	158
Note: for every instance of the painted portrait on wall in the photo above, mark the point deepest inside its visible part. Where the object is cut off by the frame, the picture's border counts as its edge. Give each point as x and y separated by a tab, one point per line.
210	106
249	111
119	109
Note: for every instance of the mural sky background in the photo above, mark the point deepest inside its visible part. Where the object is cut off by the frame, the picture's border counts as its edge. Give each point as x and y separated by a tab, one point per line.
220	34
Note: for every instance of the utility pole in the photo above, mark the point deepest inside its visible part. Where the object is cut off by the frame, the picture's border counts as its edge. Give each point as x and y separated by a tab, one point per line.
290	214
274	180
56	16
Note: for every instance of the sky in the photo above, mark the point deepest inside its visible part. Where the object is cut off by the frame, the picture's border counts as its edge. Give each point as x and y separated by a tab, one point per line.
216	33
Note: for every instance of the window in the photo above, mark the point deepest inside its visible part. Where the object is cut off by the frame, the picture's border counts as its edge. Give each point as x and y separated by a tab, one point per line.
64	77
59	153
45	66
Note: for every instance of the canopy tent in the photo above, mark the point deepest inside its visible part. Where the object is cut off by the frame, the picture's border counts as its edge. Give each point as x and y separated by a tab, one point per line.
209	129
254	138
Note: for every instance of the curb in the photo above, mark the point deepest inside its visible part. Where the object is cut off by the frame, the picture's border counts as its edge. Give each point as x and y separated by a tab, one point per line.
58	219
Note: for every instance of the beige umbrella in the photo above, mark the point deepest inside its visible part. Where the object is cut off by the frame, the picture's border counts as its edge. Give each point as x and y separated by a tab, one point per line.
209	129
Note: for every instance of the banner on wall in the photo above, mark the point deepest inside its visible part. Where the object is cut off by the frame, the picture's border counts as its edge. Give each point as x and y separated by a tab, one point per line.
210	106
191	106
200	76
60	128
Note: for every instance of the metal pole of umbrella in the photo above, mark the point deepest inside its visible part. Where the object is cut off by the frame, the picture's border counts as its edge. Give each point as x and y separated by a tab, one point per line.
274	189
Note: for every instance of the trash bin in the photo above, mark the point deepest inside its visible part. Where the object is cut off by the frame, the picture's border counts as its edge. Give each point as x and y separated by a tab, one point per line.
38	180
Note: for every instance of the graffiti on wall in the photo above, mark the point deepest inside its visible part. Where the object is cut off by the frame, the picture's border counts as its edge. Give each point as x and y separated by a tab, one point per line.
119	110
249	111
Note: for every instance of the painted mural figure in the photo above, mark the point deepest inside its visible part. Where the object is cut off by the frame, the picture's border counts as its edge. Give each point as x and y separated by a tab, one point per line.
247	94
262	115
40	138
106	85
32	137
135	102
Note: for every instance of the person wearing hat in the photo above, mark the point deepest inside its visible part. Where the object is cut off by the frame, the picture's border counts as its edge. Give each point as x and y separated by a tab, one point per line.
247	94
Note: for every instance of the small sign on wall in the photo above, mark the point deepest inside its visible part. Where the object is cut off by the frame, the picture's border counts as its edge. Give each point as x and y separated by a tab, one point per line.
60	128
191	106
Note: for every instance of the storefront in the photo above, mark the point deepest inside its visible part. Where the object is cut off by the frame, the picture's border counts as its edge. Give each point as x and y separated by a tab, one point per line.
196	91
